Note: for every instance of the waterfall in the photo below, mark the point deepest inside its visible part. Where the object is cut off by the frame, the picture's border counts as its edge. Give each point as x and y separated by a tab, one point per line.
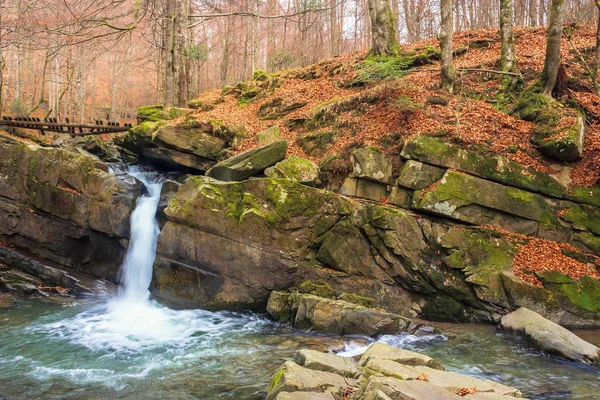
136	271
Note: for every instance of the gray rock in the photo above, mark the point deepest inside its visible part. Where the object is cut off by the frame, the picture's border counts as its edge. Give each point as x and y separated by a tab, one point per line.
364	188
397	389
418	176
304	396
319	361
249	163
550	337
268	136
293	378
371	164
381	351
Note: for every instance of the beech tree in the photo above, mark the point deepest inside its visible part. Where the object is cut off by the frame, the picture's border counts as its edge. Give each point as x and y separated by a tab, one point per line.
507	53
449	77
383	29
552	62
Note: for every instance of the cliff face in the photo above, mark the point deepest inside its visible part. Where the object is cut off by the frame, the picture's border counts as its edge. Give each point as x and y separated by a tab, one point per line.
455	236
65	207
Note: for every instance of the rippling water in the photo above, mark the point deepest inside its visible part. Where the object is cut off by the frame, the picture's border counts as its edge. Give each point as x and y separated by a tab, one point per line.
70	351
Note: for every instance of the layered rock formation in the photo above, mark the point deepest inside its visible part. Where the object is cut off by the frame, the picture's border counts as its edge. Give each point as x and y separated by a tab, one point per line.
437	248
64	207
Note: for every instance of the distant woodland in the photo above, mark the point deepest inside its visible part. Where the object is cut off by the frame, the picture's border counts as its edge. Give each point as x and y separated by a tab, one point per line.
89	60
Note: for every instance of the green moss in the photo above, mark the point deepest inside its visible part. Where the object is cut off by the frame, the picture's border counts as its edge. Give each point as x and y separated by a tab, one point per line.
519	195
356	299
152	113
583	294
276	380
260	75
318	288
583	218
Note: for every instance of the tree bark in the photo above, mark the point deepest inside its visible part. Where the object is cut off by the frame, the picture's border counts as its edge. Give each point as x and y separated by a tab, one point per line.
597	52
507	53
449	77
383	29
553	61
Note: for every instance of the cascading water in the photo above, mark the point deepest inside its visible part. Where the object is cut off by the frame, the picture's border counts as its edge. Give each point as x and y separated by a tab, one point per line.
136	271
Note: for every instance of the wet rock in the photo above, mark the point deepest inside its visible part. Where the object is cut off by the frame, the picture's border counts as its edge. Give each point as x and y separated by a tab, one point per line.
380	388
381	378
315	313
319	361
550	337
296	169
304	396
249	163
372	164
293	378
380	351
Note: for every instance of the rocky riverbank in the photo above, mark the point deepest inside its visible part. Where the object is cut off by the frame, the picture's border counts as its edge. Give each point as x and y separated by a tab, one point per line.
381	373
450	234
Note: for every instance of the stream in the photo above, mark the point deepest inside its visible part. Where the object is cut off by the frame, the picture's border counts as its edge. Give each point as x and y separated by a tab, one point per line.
126	346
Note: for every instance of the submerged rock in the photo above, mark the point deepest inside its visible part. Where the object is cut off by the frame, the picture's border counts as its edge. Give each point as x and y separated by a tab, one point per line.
550	337
385	373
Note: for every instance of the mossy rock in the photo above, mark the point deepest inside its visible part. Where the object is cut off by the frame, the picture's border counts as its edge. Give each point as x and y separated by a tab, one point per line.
296	169
268	136
249	163
318	288
499	169
567	148
315	144
152	113
278	108
445	308
578	296
260	75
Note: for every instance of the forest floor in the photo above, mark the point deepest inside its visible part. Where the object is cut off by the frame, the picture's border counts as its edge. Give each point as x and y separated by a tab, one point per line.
409	103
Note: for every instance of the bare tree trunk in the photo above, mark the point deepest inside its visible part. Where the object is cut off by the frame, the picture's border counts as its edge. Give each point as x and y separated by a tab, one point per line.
553	60
383	29
597	52
449	77
507	54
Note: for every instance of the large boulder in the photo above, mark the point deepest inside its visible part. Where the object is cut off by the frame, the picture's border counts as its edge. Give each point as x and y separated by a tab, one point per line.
64	207
249	163
191	144
550	337
315	313
159	112
296	169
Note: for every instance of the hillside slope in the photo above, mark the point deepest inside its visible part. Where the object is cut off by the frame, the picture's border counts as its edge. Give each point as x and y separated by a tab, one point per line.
347	102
